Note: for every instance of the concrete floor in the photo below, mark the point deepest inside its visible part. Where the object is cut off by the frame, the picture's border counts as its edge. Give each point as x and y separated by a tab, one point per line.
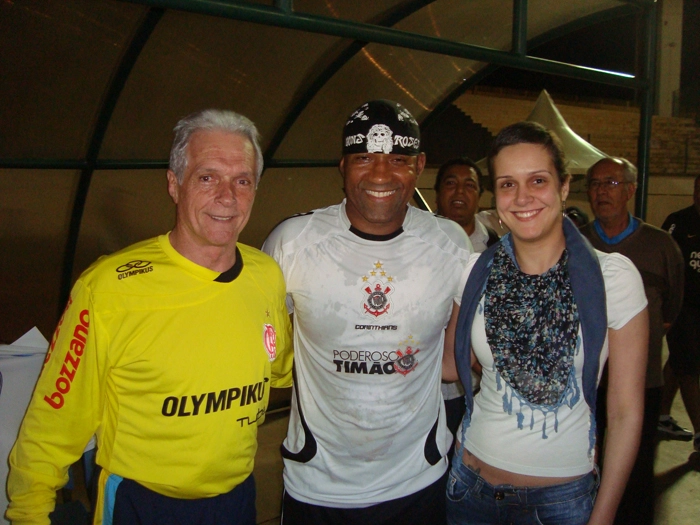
677	478
677	474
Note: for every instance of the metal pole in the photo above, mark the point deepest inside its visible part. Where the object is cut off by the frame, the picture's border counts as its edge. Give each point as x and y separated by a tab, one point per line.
420	201
646	110
269	15
520	27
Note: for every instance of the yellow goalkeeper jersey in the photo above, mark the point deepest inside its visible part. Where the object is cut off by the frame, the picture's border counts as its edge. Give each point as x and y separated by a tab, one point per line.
168	363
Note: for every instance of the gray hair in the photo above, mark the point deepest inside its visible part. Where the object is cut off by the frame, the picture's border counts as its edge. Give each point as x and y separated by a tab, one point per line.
629	170
212	120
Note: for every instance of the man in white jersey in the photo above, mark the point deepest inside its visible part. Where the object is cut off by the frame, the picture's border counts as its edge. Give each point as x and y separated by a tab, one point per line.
372	284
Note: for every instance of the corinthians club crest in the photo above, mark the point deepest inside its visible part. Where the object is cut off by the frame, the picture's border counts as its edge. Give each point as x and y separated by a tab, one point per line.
406	359
377	303
377	286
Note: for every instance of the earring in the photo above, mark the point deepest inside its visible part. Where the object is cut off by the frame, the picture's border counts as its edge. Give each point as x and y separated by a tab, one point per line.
563	208
500	223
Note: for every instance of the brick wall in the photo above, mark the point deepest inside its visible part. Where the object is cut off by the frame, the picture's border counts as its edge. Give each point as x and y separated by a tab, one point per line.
675	144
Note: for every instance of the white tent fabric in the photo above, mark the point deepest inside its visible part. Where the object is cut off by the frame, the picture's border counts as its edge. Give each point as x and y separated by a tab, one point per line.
580	155
20	365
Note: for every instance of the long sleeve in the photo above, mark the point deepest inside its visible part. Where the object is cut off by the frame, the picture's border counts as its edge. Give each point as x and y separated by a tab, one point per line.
63	414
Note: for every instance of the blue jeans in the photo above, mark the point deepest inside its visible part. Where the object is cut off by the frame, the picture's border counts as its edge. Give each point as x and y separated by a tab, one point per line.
473	501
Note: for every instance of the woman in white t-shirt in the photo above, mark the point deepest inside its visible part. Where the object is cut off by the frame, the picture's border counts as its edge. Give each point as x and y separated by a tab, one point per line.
541	312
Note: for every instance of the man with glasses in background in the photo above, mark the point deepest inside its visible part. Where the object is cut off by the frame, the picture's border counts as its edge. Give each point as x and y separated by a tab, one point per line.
611	184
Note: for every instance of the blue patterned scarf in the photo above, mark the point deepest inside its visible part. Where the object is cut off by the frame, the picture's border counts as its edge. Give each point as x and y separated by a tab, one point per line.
589	295
532	328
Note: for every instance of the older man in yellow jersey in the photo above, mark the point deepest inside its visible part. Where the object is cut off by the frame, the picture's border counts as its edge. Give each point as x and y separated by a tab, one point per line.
167	351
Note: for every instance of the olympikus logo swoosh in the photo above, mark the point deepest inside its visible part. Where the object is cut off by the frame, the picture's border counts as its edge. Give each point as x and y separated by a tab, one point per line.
134	268
133	265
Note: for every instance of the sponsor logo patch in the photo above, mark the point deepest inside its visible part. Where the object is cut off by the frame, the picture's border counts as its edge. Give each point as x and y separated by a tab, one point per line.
377	287
401	361
376	327
217	401
407	360
133	268
270	341
71	362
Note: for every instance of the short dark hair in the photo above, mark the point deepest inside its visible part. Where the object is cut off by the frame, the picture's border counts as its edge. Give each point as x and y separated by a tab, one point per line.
459	161
530	133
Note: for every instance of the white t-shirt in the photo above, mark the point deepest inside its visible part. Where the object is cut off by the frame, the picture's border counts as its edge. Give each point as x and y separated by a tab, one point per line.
369	319
553	444
479	238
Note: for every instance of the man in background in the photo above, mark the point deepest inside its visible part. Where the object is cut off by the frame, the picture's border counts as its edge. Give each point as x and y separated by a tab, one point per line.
611	183
683	365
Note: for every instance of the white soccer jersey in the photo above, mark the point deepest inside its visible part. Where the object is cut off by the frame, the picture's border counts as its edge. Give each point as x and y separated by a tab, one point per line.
367	422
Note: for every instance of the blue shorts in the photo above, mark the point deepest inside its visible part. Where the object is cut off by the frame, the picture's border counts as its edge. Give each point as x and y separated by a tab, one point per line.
473	501
128	503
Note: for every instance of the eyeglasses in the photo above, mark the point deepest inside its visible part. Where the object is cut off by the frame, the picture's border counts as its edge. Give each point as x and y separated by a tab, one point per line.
608	184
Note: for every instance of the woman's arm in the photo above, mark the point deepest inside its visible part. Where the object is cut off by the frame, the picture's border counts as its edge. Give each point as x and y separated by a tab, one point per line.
627	365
